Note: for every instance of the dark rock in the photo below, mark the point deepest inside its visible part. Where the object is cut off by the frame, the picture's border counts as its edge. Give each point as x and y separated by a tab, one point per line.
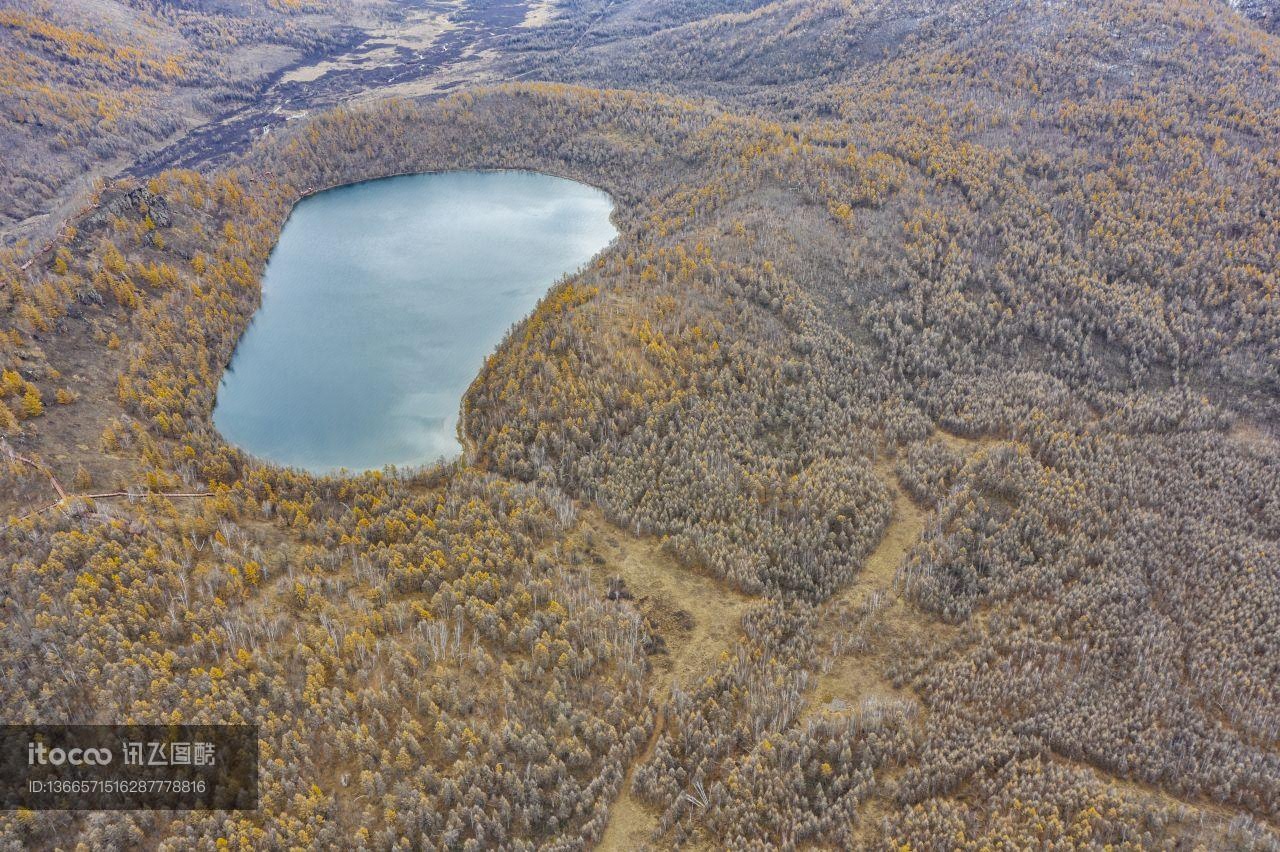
137	202
618	590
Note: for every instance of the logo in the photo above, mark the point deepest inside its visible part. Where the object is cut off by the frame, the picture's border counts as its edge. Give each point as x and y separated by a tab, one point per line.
39	754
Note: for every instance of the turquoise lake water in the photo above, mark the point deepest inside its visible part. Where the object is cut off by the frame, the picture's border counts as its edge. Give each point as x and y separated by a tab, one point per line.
381	302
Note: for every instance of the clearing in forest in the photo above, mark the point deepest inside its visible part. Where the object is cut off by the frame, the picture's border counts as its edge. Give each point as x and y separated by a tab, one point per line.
696	617
855	677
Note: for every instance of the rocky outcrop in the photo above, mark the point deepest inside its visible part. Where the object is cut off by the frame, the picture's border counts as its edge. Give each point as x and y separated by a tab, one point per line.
139	202
1265	13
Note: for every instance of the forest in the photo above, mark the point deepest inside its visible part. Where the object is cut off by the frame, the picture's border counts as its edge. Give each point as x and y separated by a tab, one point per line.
941	341
92	87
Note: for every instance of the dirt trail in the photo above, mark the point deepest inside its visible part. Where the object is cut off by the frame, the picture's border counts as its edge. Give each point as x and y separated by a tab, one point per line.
697	618
696	615
875	623
631	823
854	677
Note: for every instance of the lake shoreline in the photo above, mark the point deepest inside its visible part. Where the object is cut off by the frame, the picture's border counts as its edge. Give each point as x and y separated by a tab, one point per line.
414	279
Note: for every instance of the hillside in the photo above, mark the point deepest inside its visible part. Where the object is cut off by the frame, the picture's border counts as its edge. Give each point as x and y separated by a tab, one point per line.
906	474
96	89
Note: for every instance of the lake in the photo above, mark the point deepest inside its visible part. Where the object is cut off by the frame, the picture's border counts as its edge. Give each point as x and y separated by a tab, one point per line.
380	303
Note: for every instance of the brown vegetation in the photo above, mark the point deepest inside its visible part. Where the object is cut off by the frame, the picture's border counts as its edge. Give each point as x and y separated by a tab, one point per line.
935	339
